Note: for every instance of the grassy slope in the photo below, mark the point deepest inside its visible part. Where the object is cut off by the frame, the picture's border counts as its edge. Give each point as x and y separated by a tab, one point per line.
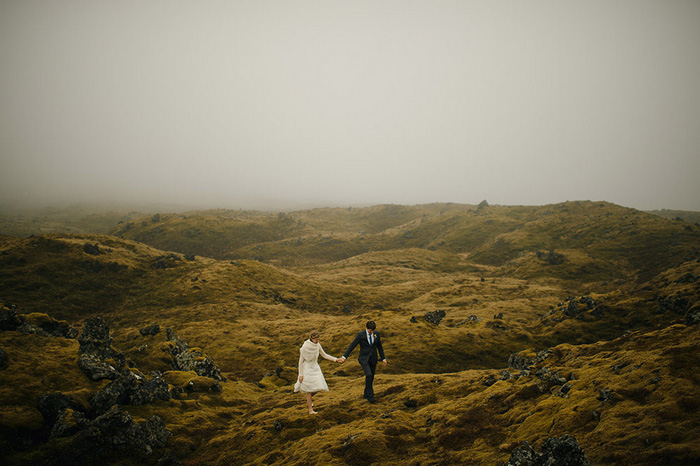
251	317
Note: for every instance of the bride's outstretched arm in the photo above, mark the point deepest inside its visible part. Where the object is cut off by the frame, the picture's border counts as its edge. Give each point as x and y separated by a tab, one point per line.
326	356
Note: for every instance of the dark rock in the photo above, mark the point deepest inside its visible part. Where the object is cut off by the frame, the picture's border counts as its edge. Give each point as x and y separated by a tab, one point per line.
523	455
3	359
505	375
414	320
45	325
607	396
677	304
113	434
563	451
525	360
190	257
482	205
130	389
551	257
52	405
150	330
277	425
186	359
692	317
96	356
69	423
490	380
411	403
435	317
169	459
564	390
9	320
498	316
92	249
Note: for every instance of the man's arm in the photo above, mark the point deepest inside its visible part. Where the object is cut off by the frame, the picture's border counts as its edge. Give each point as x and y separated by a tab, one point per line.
380	348
352	346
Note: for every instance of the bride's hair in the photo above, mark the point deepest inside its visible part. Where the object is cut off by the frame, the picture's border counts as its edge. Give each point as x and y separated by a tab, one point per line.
314	334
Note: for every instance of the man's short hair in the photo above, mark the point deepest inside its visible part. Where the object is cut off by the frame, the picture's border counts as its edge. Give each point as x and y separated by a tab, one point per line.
371	325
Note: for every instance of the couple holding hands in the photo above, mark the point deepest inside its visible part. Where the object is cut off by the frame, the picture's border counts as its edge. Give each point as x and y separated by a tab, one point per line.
311	380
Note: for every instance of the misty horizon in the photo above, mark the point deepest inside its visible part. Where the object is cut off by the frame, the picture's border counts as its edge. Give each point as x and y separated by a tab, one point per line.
312	104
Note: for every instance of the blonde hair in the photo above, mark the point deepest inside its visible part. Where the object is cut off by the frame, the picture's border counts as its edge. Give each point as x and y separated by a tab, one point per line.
314	334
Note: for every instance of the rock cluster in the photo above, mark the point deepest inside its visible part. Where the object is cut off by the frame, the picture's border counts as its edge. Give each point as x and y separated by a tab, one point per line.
435	317
130	389
112	433
150	330
96	356
551	257
36	322
563	451
194	359
525	360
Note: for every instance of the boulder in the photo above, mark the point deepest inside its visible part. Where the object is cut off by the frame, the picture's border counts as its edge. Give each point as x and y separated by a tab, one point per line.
45	325
194	359
527	358
692	317
9	320
130	389
68	423
563	451
92	249
53	405
435	317
150	330
113	434
96	356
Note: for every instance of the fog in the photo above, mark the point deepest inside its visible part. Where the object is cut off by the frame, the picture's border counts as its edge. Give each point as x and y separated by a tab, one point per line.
236	103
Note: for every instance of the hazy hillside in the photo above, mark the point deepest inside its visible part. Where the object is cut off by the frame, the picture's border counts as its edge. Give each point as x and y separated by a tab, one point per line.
599	302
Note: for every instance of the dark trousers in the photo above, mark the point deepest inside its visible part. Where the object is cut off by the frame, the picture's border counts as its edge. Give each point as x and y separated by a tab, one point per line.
370	367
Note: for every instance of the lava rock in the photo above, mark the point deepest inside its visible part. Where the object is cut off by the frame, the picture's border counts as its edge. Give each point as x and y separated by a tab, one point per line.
92	249
96	356
563	451
526	359
551	257
69	423
9	320
523	455
130	389
186	359
45	325
692	317
52	406
113	434
435	317
150	330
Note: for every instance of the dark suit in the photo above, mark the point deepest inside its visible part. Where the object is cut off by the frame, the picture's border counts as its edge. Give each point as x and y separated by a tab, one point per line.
368	357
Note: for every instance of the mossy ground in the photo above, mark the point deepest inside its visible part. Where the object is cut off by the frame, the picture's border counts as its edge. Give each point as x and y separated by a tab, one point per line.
387	264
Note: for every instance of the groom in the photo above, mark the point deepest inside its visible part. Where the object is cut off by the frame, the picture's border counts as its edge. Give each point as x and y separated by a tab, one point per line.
369	342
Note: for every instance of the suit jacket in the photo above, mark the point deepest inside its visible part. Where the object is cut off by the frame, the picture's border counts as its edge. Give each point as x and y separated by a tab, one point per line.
367	352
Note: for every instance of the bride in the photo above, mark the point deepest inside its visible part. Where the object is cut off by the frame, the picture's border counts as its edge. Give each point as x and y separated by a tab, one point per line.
311	379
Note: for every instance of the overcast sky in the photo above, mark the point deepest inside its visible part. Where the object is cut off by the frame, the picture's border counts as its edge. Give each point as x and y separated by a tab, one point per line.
224	103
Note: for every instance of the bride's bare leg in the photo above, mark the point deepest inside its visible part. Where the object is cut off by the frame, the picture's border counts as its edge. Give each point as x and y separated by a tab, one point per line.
310	403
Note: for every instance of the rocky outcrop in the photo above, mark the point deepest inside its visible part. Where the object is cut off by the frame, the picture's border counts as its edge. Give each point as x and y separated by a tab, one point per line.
435	317
692	317
550	257
563	451
527	358
36	322
130	389
52	406
92	249
194	359
113	433
150	330
96	356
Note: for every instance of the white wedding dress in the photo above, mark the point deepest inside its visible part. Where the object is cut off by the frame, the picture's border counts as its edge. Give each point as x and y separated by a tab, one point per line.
309	368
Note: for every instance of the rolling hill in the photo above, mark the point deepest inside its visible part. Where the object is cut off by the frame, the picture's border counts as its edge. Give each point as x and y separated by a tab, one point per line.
501	324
